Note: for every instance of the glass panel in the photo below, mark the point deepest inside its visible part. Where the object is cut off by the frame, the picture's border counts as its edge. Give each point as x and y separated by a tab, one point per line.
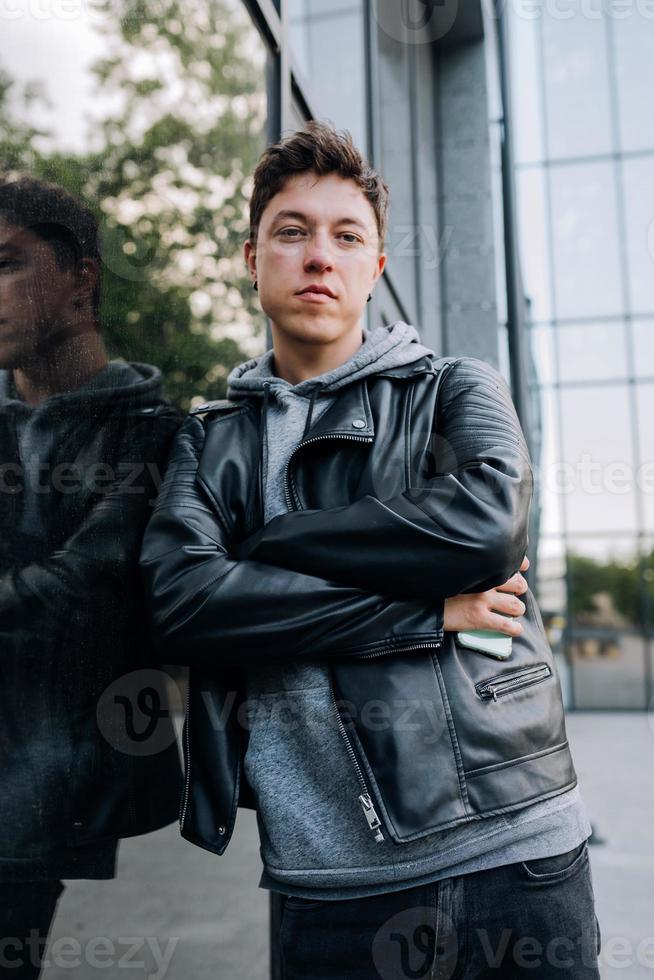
585	236
333	70
643	340
604	639
546	470
645	477
595	474
551	594
634	43
591	352
394	122
542	347
534	253
159	123
577	86
157	118
638	176
525	86
647	560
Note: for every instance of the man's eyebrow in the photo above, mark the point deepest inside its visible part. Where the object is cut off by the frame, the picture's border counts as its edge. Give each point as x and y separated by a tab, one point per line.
296	215
300	216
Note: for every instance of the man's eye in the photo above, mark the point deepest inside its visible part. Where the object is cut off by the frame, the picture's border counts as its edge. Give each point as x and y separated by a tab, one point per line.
8	264
352	238
291	232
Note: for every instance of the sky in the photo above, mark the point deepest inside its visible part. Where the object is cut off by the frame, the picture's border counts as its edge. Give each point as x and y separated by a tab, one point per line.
57	51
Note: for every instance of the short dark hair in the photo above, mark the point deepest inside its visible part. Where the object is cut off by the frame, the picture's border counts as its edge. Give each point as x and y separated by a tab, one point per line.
320	149
56	216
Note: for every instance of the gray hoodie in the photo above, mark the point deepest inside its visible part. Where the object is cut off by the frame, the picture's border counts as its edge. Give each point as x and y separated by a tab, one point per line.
315	841
41	429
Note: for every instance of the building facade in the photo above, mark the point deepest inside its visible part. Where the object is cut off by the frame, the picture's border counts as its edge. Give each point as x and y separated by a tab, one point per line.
584	169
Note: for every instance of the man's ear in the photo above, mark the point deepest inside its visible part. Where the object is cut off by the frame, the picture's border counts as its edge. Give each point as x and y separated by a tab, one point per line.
250	256
381	262
86	281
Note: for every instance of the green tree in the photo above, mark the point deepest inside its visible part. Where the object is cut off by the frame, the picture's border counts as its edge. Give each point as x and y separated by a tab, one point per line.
167	171
621	580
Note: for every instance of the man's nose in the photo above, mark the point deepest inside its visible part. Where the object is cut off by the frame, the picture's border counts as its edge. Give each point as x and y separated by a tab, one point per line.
318	252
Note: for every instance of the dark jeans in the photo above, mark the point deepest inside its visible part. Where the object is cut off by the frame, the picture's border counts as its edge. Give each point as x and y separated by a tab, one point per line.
524	920
26	914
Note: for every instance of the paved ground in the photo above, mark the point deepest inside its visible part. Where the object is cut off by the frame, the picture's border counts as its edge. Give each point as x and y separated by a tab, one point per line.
205	919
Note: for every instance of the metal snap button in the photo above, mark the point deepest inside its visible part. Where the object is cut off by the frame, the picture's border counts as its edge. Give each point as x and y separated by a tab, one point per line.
221	830
359	423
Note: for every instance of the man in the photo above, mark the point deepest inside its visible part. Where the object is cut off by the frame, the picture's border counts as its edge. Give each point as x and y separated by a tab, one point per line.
318	542
83	442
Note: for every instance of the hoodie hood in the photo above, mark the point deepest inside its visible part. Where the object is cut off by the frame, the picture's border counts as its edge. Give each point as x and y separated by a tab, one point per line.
382	348
142	384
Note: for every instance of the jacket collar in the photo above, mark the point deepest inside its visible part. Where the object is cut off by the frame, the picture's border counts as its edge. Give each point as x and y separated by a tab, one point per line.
348	415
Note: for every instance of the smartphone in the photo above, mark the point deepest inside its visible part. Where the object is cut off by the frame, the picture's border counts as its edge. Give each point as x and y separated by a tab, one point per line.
491	642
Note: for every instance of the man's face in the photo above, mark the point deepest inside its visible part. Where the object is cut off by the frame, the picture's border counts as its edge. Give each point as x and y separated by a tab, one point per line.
35	296
320	232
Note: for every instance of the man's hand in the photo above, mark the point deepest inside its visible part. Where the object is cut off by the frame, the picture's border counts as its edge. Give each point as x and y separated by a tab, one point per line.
481	610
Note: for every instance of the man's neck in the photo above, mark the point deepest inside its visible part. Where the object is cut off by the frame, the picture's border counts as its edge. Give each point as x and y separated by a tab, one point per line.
72	364
296	362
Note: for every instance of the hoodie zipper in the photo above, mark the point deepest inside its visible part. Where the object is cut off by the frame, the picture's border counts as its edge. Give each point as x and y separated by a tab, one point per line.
496	687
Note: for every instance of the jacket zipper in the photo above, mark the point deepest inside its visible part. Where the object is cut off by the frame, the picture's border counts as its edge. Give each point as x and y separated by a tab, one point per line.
187	761
365	797
496	687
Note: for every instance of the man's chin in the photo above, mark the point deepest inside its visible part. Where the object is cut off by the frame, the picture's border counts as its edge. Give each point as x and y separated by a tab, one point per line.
312	330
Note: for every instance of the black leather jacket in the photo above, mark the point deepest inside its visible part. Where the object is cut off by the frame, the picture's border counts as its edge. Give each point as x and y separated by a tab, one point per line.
71	625
393	506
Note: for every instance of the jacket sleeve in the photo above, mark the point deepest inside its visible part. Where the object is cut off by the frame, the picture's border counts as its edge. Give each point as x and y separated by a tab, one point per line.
207	607
463	530
100	558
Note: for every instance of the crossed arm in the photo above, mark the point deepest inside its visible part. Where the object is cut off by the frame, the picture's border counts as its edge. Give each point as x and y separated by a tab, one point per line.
294	589
454	535
98	559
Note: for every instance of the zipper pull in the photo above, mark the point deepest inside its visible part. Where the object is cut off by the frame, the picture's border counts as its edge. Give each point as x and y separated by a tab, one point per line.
489	691
370	814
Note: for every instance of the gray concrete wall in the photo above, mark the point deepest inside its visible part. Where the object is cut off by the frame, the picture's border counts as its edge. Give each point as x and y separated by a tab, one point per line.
467	269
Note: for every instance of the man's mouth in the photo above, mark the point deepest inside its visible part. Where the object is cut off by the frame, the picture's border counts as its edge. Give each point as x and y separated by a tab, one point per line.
320	290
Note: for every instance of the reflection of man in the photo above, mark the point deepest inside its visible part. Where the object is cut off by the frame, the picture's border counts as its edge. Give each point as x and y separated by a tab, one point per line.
82	440
317	542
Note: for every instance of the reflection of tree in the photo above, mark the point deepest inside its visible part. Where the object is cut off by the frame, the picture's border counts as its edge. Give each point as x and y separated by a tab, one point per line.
610	593
168	174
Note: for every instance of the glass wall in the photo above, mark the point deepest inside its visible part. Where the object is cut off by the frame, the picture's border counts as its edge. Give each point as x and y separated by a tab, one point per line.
584	140
154	114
